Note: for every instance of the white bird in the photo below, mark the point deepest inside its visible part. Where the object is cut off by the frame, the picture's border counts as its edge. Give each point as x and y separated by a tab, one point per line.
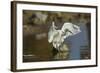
57	37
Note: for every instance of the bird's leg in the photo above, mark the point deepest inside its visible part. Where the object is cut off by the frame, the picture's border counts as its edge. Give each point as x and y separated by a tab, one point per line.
59	52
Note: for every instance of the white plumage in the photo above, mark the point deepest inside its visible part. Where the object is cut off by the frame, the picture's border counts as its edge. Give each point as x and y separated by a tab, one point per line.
56	37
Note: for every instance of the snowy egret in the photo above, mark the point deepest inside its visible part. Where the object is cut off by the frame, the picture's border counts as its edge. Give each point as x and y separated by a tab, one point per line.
57	36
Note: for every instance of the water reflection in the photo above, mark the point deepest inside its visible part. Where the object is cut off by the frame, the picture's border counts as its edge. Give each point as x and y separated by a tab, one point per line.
61	55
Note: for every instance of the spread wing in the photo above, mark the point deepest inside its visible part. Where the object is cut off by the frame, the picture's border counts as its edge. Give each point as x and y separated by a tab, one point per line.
69	29
51	33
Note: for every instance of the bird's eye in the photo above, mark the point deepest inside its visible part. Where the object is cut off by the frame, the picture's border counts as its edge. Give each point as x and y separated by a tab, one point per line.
63	33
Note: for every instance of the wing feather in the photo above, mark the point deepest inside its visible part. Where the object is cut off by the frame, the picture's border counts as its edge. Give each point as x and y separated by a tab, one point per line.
69	29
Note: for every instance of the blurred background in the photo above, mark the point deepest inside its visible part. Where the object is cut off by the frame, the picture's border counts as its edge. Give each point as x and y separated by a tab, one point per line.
36	25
